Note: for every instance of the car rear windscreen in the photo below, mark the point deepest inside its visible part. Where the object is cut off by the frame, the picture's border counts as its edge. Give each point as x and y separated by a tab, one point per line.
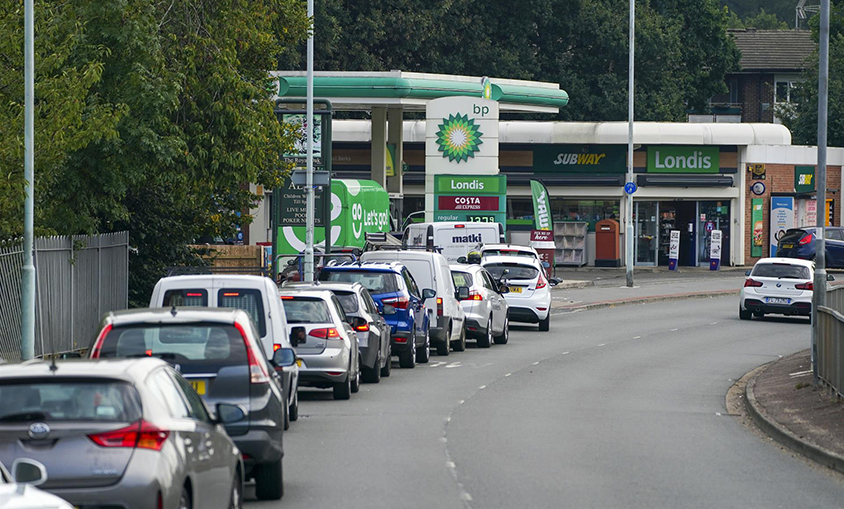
375	282
247	300
461	279
196	347
306	310
781	270
349	301
795	234
64	399
514	271
507	252
197	297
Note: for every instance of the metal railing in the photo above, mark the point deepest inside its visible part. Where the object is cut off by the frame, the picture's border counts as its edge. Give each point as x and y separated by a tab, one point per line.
78	279
831	340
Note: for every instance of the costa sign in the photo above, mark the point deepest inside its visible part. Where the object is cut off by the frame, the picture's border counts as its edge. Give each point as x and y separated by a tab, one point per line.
468	203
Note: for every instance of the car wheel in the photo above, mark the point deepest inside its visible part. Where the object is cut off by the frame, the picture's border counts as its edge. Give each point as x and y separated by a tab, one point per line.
486	340
373	375
286	417
293	411
185	501
236	498
744	314
545	325
388	366
423	353
407	359
445	347
460	346
355	383
343	390
269	481
504	337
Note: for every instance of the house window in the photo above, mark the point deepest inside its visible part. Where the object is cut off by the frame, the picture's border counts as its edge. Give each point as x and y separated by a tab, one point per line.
734	89
785	92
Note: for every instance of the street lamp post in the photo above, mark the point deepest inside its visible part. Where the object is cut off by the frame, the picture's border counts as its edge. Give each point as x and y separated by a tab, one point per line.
309	182
628	213
28	271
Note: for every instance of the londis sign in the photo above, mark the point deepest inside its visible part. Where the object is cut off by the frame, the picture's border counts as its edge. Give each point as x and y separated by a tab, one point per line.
679	159
467	185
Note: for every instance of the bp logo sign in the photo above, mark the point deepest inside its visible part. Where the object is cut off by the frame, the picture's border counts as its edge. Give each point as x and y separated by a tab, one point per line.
459	138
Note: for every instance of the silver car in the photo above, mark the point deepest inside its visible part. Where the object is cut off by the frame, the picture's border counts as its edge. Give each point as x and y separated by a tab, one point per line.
487	312
324	341
120	433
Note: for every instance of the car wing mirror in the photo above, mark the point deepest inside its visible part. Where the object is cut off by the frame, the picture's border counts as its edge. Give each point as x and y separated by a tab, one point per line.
297	336
462	293
830	277
428	293
747	272
388	310
462	259
229	414
546	264
502	289
283	357
27	471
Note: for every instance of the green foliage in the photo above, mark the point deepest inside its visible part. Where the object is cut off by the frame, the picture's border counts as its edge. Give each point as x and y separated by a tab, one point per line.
783	10
765	21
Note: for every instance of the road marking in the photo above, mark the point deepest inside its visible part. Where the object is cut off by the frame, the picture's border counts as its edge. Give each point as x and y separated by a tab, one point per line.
453	365
713	323
508	374
443	440
718	414
467	497
448	419
603	344
673	330
535	363
436	364
565	353
482	387
461	401
800	373
450	464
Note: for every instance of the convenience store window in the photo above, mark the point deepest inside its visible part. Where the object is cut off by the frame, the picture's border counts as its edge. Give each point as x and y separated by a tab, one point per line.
590	211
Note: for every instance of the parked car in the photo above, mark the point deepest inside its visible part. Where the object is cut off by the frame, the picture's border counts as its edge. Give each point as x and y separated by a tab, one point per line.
323	340
399	301
508	250
453	239
529	293
484	304
800	243
779	286
372	330
120	433
22	493
218	352
431	270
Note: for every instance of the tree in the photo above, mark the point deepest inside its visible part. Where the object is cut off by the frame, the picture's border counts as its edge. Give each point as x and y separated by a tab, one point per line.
765	21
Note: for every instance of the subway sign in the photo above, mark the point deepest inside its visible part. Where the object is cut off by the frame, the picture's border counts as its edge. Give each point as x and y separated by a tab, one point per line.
579	159
684	159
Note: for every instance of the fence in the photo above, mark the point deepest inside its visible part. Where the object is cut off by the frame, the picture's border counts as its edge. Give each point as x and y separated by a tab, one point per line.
831	340
78	279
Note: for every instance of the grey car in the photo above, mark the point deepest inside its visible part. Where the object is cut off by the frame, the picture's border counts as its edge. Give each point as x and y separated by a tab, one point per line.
120	433
487	312
218	351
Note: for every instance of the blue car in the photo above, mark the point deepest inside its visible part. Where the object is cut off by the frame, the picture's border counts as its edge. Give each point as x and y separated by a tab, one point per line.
800	243
399	300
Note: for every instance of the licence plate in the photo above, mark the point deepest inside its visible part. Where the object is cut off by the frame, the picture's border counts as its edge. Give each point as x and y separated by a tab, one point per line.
198	386
515	289
777	300
788	246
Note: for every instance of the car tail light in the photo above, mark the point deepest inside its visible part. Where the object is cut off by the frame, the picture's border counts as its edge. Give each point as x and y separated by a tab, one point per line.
326	333
475	295
98	345
397	302
362	328
805	286
399	339
257	370
806	239
751	282
541	283
460	226
276	347
141	434
439	306
160	503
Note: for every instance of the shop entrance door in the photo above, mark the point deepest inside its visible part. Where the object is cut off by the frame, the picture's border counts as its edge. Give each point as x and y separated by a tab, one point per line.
713	215
686	220
647	235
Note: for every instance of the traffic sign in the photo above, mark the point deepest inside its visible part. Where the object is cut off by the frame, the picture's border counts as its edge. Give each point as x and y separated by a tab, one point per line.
630	187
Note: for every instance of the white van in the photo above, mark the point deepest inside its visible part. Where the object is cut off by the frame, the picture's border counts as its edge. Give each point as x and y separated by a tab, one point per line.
446	318
257	295
454	239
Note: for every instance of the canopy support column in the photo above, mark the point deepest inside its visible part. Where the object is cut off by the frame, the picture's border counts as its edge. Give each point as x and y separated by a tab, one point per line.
379	146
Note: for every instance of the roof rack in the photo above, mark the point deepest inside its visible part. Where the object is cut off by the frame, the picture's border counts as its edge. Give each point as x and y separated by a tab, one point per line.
198	271
380	240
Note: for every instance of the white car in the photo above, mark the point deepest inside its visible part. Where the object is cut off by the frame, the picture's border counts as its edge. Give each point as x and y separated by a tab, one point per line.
529	295
779	286
25	495
487	312
508	250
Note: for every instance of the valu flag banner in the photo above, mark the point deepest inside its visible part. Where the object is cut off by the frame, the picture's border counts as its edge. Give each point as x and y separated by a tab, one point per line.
541	206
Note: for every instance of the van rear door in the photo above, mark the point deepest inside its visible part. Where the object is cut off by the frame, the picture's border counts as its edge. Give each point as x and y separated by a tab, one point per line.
457	240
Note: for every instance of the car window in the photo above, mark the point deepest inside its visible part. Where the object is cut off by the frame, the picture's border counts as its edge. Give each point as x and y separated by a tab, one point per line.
339	307
196	297
488	281
164	390
832	234
411	283
422	272
249	300
781	270
516	271
196	408
461	279
507	252
67	399
349	301
375	282
368	301
306	310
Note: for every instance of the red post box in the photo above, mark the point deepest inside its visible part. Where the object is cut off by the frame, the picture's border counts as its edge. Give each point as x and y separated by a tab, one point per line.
606	244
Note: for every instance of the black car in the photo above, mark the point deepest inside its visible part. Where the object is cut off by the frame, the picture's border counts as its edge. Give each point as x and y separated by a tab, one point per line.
800	243
218	352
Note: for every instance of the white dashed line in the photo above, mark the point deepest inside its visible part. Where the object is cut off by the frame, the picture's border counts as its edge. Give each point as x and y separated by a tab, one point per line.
450	464
673	330
718	414
508	374
637	337
482	387
713	323
535	363
565	353
603	344
461	401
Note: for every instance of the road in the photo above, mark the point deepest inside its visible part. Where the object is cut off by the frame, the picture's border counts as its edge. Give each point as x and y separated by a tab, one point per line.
614	408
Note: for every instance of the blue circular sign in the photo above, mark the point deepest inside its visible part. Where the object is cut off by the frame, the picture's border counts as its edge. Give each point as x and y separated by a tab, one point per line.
630	187
758	188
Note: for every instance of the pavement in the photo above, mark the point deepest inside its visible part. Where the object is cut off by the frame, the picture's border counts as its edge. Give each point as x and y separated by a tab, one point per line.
806	418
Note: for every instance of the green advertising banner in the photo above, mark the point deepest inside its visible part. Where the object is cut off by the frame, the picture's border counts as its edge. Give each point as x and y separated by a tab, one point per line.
679	159
804	179
579	158
758	223
469	185
541	206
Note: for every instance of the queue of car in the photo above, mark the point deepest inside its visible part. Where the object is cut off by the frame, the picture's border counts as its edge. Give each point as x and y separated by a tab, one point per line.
180	404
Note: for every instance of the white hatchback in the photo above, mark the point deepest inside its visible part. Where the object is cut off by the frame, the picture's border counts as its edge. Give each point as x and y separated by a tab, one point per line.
529	297
779	286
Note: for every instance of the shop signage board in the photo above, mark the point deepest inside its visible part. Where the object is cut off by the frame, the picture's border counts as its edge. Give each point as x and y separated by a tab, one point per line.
673	249
715	240
469	203
299	151
579	158
543	242
804	179
757	171
481	198
467	184
757	220
461	136
293	205
683	159
782	219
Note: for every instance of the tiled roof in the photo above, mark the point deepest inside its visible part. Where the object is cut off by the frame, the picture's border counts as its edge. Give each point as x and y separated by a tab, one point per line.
773	49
